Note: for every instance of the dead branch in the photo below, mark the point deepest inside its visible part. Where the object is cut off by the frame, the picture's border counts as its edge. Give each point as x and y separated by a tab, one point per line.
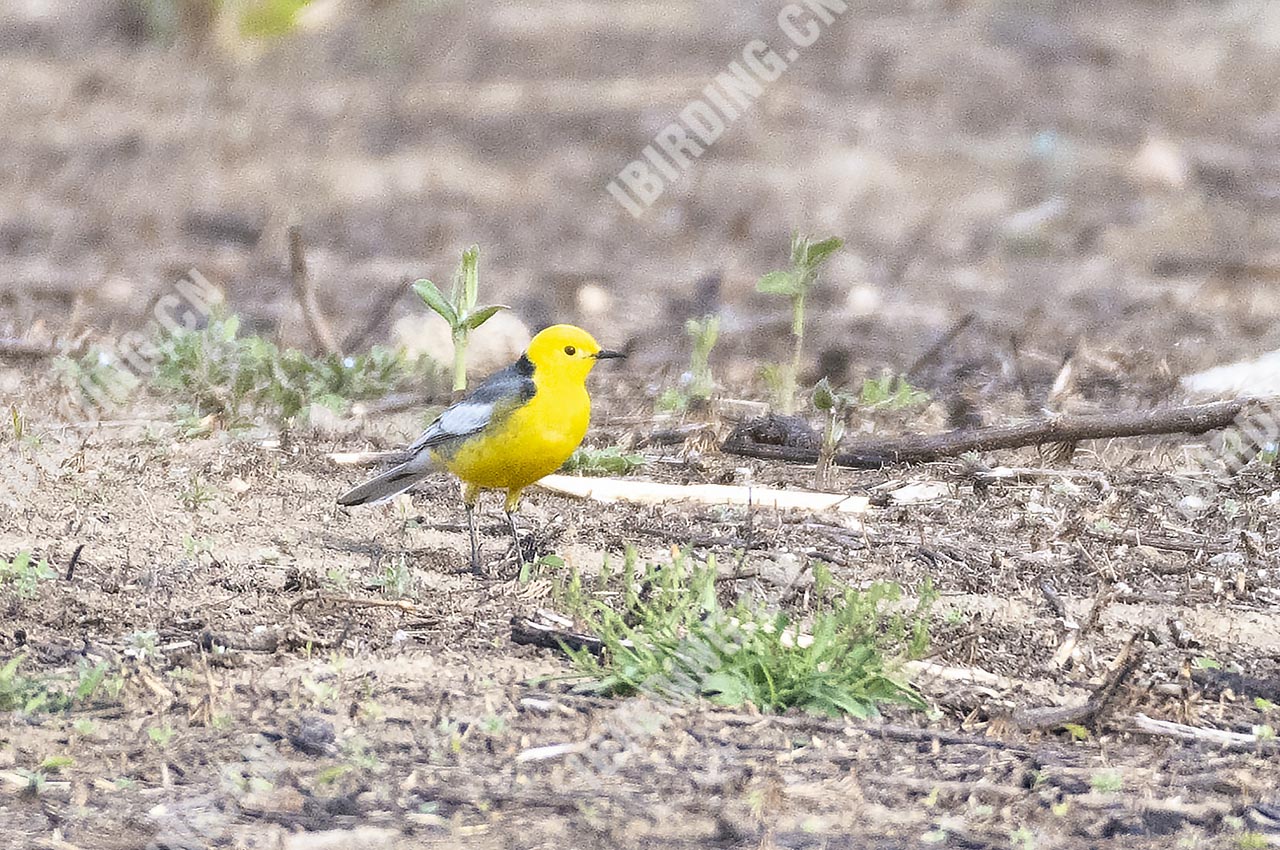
353	602
950	789
532	633
317	324
1235	741
264	641
1032	474
1155	541
1067	428
22	349
1086	714
911	734
1216	683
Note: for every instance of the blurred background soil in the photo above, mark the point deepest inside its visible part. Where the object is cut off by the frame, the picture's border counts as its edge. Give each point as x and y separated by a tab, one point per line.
1084	175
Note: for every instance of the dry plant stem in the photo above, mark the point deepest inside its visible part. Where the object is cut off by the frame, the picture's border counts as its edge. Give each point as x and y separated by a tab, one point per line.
363	459
610	490
1067	428
318	326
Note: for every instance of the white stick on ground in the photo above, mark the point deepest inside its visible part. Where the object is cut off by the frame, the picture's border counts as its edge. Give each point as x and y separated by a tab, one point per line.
1167	729
609	490
551	751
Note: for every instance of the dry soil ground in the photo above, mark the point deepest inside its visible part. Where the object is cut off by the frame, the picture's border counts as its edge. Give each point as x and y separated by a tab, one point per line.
984	156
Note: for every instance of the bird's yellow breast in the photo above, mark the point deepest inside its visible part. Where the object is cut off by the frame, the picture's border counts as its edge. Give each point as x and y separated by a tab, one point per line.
532	442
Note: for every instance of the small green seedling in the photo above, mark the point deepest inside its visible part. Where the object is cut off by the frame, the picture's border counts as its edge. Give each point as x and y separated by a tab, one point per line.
271	18
703	333
795	283
1076	731
834	406
397	580
161	735
1107	782
56	764
892	392
459	309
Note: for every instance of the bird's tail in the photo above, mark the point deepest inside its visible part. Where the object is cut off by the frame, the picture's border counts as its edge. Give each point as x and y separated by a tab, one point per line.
393	482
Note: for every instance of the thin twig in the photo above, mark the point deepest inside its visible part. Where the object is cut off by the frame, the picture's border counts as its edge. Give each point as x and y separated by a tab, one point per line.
1058	604
319	327
1172	544
932	353
382	307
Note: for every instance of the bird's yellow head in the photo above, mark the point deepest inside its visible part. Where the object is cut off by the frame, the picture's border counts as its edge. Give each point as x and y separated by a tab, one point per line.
566	352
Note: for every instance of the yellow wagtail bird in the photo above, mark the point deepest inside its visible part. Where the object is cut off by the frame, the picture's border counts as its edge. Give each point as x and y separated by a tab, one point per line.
521	424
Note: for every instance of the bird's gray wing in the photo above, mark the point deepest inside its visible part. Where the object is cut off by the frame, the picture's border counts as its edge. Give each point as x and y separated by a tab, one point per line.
501	393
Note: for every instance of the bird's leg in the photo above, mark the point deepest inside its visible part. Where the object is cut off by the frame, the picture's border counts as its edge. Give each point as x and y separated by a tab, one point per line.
513	502
469	498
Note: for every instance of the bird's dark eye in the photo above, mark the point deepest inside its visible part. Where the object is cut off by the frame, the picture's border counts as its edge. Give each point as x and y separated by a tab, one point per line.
570	350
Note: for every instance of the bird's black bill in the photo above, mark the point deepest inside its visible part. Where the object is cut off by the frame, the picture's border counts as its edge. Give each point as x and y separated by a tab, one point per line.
607	354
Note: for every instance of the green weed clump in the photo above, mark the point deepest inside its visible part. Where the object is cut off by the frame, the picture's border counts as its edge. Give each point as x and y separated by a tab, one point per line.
610	460
668	635
217	371
31	695
96	375
24	574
